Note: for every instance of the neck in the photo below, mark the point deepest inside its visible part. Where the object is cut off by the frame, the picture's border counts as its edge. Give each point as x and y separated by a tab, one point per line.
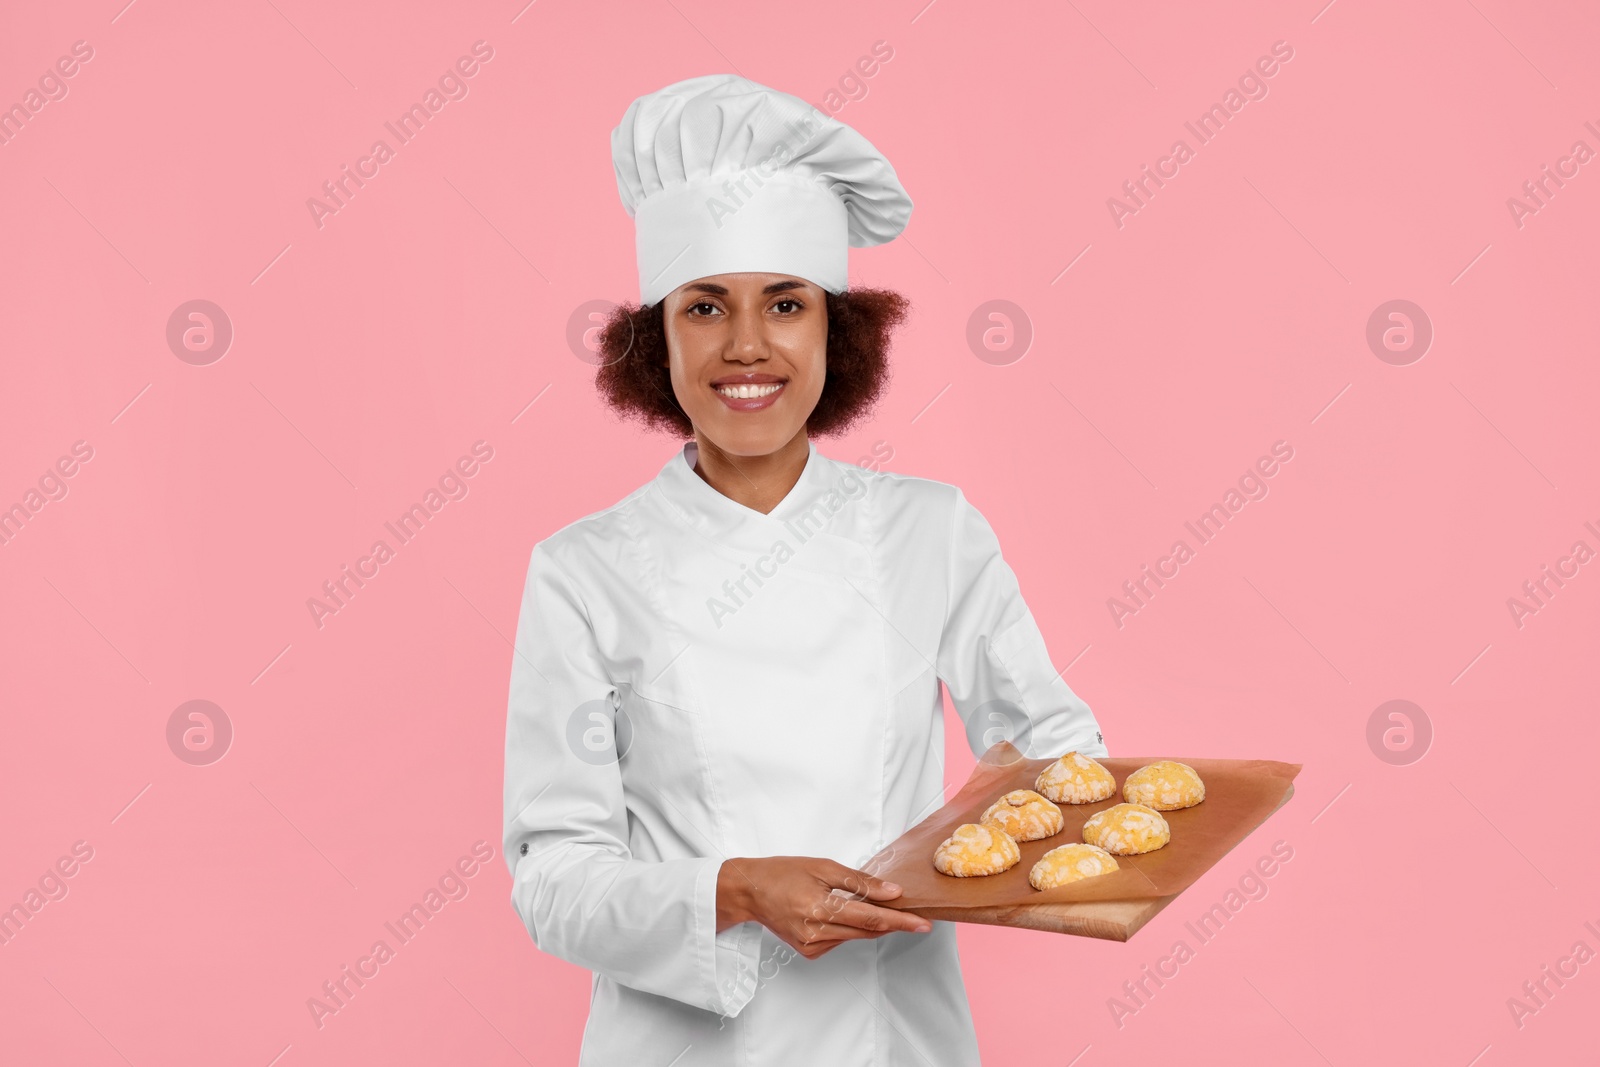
757	482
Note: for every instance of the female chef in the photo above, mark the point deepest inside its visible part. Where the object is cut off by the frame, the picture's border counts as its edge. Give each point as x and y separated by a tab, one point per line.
725	693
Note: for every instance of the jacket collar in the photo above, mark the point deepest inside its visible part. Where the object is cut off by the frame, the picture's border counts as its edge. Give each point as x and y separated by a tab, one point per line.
725	519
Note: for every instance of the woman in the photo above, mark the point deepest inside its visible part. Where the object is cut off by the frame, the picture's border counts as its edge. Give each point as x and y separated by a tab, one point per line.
725	694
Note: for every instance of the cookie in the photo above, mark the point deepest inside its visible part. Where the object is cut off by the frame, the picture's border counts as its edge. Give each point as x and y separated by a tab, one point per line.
1127	829
972	850
1024	815
1070	863
1165	785
1075	779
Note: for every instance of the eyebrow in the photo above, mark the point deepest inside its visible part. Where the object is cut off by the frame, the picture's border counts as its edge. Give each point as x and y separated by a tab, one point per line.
722	290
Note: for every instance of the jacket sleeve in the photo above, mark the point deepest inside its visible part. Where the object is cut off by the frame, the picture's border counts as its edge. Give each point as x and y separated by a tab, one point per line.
993	659
649	925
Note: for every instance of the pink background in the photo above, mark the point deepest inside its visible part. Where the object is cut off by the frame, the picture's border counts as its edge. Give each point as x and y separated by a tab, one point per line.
1229	313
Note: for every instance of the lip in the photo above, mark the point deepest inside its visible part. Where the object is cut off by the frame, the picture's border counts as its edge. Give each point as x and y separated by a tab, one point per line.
752	403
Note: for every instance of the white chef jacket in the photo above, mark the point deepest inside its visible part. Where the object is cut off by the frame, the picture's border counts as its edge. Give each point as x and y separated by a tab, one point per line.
693	681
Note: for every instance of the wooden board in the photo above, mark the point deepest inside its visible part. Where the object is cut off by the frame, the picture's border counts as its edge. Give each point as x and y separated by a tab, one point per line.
1112	920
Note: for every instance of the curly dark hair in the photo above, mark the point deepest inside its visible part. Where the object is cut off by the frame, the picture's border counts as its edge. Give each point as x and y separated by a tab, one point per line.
636	382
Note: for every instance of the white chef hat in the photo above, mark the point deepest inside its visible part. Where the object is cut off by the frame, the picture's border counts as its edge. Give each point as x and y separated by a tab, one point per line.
721	174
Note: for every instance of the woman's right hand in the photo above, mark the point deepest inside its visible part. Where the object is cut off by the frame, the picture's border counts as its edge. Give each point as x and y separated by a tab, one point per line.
793	896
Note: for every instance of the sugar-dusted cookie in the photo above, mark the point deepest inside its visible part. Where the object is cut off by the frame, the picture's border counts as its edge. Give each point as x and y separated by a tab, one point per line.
1075	779
1165	785
1070	863
1024	815
973	849
1127	829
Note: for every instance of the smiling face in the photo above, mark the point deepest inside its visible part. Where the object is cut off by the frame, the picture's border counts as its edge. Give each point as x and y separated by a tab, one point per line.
748	356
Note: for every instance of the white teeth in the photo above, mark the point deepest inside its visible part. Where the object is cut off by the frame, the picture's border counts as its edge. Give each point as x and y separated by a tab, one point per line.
746	392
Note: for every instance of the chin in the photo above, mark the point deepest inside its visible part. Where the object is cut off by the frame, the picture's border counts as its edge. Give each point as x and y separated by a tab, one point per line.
750	440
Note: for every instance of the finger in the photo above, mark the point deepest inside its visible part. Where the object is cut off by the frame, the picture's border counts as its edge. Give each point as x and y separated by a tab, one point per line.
880	920
811	932
860	883
831	906
820	948
862	920
812	952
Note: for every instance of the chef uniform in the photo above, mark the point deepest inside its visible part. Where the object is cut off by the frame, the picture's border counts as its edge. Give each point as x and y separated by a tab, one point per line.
694	680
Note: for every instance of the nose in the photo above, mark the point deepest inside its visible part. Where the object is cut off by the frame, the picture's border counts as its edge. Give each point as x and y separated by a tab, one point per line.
747	336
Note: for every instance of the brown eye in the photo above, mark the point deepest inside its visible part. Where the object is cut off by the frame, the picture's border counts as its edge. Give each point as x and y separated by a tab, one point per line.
702	304
796	304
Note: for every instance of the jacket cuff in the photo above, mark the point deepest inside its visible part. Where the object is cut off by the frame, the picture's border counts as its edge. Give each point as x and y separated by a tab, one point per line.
728	959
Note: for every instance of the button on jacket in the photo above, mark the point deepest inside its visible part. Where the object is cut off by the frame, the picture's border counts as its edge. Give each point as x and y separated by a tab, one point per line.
694	680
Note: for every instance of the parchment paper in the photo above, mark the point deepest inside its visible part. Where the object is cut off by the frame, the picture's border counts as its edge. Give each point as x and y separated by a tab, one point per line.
1240	794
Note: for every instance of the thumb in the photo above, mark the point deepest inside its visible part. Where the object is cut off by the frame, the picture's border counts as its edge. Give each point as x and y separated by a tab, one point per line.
861	883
